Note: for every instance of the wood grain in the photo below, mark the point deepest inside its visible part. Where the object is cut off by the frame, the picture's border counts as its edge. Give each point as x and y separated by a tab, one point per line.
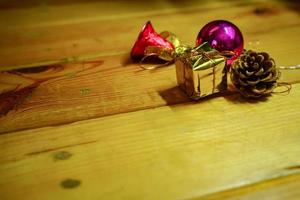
172	152
72	92
105	129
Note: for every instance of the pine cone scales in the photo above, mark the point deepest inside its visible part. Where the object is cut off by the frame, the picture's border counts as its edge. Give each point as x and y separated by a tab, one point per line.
254	74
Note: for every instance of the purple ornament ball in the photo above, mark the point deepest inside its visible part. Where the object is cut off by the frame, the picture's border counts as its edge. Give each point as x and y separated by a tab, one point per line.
223	36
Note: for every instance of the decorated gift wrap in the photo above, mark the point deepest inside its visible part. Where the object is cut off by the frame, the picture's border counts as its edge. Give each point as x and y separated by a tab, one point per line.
200	71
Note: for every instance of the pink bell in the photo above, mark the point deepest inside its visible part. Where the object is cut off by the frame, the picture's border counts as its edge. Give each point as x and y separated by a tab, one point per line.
148	37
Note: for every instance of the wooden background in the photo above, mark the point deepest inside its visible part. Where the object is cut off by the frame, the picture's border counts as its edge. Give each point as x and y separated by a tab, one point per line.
79	120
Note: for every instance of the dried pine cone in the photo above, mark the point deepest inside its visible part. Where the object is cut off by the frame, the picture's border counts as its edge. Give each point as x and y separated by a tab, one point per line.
254	74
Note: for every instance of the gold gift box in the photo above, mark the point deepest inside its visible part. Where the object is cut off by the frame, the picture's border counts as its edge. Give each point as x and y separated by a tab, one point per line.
206	78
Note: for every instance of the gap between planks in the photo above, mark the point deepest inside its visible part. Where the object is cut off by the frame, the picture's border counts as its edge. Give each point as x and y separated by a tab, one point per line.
260	190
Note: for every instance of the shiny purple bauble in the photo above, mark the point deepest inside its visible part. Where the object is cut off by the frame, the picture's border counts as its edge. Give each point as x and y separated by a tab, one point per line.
223	36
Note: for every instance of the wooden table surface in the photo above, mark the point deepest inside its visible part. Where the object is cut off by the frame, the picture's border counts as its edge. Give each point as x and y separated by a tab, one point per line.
79	120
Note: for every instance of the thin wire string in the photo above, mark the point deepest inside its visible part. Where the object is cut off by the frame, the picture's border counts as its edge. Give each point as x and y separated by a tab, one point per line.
288	88
289	67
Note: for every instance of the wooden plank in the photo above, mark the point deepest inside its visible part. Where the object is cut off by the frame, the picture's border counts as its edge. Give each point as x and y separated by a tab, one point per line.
276	189
172	152
64	93
39	38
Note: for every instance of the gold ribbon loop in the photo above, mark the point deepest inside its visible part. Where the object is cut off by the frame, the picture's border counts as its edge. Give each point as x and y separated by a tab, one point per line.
153	66
171	37
161	52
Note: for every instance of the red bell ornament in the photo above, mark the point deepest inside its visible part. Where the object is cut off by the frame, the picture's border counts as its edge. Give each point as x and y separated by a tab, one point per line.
147	38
